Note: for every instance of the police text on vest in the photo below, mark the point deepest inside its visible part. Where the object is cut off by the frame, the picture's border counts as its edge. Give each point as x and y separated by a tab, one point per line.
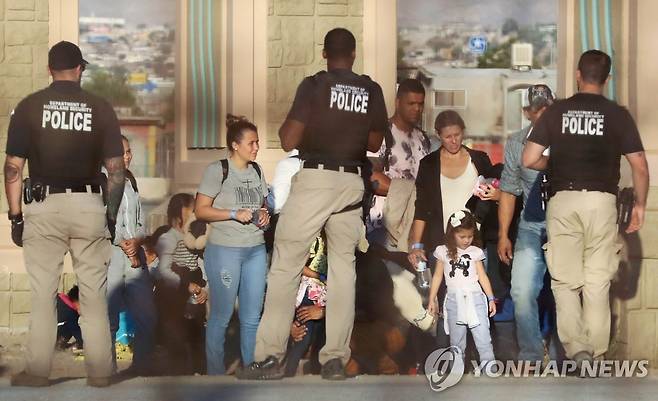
349	98
582	122
72	116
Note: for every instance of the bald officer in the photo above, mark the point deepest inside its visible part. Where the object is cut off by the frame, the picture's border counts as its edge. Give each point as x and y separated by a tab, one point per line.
336	116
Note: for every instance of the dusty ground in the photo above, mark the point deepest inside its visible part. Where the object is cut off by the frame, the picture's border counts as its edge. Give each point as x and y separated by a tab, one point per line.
65	363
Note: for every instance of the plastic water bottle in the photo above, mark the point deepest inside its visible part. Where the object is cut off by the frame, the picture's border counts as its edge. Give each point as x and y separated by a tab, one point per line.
190	307
423	276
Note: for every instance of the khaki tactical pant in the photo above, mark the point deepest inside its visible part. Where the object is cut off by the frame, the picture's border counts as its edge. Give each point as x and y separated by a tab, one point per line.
75	223
582	257
315	201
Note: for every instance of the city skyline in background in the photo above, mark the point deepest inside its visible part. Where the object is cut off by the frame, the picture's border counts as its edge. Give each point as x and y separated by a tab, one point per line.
148	12
130	46
412	13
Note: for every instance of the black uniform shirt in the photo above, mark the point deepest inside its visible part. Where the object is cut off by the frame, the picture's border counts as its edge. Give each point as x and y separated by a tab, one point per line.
65	133
587	134
339	108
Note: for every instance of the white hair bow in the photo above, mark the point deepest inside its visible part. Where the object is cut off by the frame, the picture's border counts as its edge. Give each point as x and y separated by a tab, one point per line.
456	218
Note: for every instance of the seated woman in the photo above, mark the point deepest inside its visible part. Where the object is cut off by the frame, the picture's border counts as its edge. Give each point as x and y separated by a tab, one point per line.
310	307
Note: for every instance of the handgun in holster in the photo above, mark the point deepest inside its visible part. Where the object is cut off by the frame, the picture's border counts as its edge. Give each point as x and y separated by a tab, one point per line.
27	191
33	191
368	192
625	203
368	189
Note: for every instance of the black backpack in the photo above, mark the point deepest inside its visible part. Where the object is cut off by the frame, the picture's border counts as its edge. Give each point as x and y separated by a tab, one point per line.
225	169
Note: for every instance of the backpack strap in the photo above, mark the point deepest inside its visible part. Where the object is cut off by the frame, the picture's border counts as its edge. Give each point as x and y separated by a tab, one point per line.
224	163
257	168
131	178
388	142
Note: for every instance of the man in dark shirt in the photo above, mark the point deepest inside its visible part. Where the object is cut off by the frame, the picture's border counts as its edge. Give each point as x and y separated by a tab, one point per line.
587	134
336	116
65	134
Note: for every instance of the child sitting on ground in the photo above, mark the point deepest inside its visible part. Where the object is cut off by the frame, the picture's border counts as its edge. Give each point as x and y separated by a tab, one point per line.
68	307
308	324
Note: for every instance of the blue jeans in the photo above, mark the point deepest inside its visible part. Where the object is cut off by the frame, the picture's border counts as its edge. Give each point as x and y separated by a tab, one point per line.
296	350
131	289
528	270
480	333
233	272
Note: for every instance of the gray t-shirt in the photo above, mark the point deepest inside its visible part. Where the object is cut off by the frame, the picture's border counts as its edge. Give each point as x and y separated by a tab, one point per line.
243	189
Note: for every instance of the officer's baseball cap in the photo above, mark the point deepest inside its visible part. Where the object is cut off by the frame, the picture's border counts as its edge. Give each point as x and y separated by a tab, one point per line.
539	96
65	56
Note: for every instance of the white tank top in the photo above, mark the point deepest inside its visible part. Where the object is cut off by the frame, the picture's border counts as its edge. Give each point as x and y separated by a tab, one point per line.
455	192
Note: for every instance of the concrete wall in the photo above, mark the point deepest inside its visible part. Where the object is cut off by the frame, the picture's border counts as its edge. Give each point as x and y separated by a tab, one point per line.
15	301
23	58
295	35
295	29
635	303
23	62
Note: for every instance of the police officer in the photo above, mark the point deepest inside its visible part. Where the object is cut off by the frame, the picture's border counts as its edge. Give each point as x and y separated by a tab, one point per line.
65	134
587	134
335	118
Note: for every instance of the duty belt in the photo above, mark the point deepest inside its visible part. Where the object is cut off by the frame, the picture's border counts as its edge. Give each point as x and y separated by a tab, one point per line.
37	191
332	167
579	186
96	189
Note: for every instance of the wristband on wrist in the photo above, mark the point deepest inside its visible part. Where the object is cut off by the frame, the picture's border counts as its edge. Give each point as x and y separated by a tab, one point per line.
234	214
491	298
417	245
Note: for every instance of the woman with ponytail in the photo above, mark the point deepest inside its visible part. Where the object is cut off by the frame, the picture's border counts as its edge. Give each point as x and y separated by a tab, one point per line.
231	198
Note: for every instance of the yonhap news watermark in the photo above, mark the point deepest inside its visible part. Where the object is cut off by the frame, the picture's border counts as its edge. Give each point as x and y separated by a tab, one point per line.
597	368
445	367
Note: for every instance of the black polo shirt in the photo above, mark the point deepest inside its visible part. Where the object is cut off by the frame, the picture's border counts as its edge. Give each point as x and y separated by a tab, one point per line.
65	133
338	108
587	134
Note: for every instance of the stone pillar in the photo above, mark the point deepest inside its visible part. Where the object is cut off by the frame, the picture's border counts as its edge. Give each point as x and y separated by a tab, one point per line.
295	34
23	70
635	295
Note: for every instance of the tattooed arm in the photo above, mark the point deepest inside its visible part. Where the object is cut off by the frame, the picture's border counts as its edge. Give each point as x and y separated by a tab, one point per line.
14	183
116	181
13	187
